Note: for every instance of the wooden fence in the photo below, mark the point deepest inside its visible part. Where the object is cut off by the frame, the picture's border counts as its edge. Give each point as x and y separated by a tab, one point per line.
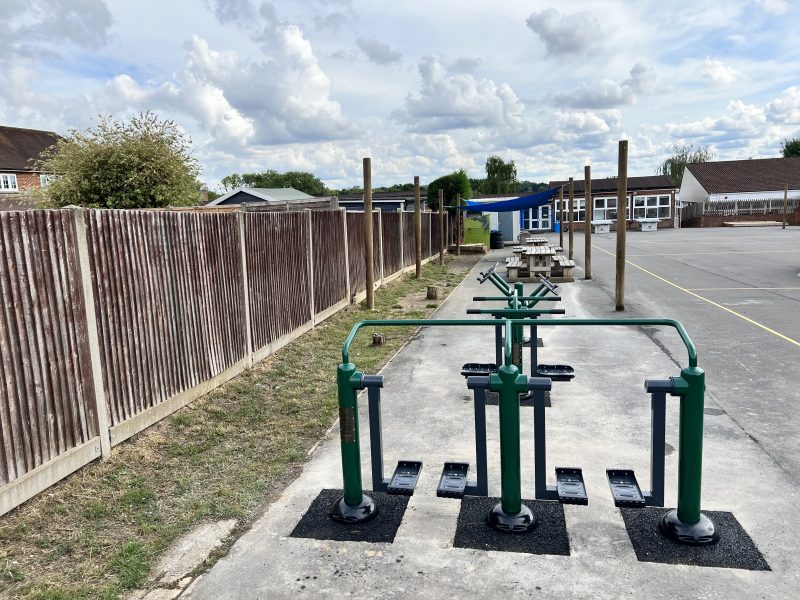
112	320
713	214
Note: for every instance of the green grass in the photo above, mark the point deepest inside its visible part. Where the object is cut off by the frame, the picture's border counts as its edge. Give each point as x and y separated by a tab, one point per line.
474	233
98	533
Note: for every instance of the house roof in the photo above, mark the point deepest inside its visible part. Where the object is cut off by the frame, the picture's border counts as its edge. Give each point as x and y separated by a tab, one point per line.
608	185
753	175
20	147
266	195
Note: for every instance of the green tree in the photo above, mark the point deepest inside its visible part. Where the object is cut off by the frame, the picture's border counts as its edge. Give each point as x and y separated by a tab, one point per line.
144	163
477	185
501	176
682	156
790	147
455	183
299	180
532	186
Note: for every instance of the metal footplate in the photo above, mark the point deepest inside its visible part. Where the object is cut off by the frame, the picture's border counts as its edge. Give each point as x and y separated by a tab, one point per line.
404	478
556	372
625	489
570	486
453	481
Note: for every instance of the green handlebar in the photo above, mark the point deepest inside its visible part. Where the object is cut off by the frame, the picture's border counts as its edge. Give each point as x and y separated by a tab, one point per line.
687	341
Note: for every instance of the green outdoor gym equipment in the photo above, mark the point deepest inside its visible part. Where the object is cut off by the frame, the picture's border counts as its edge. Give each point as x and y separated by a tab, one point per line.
687	524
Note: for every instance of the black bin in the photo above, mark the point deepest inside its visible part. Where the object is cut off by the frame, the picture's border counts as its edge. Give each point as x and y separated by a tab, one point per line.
496	240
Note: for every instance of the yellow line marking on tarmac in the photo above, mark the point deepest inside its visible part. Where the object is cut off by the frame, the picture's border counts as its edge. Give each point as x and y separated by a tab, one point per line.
711	302
738	288
713	253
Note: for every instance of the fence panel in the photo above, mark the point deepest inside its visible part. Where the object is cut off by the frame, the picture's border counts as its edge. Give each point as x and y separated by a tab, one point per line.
47	395
392	260
355	251
277	269
426	235
330	283
434	233
168	299
409	251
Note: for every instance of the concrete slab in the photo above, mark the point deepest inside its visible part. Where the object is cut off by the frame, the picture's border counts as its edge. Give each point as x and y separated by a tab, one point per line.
191	550
599	420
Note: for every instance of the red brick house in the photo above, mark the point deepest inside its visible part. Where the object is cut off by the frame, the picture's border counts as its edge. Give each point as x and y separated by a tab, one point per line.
19	150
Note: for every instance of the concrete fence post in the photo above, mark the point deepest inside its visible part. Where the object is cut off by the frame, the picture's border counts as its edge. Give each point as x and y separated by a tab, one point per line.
248	330
348	292
82	249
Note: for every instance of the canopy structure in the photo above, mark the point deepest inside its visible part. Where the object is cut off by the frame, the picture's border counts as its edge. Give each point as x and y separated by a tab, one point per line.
520	203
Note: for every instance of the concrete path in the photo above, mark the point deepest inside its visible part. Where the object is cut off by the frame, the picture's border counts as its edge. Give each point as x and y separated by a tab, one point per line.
599	420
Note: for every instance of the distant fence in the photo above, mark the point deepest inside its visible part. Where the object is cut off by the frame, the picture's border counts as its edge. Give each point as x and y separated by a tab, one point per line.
700	214
112	320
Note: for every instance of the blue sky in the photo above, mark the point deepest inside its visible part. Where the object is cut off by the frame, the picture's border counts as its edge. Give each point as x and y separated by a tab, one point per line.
422	87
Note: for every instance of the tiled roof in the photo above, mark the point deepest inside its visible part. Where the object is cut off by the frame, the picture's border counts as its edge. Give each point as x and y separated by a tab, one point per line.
19	148
608	185
754	175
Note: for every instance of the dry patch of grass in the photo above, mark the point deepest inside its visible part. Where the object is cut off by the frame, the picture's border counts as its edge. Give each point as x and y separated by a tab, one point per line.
99	532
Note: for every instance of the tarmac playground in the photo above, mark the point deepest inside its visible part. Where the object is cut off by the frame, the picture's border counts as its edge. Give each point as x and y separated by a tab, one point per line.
442	548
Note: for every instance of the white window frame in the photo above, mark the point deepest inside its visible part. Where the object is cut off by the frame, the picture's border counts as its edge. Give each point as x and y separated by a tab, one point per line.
8	183
605	208
652	207
45	180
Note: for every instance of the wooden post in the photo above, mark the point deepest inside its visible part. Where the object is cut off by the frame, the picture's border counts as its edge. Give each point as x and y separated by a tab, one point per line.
622	207
571	217
458	225
561	217
441	227
368	233
101	408
417	229
588	212
785	204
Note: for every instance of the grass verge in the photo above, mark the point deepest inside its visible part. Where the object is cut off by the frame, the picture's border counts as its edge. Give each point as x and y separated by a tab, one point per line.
99	532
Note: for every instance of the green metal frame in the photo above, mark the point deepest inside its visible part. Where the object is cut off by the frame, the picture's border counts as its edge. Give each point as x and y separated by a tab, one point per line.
509	382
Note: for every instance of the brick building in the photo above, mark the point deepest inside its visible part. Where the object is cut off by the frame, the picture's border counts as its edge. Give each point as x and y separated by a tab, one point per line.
19	150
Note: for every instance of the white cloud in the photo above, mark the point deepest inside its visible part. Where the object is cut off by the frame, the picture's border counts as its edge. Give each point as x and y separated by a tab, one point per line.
720	75
773	7
785	109
457	101
608	93
378	52
565	34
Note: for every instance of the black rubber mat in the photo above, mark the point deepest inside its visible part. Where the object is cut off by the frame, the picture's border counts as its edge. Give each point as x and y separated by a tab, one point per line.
317	523
734	550
549	536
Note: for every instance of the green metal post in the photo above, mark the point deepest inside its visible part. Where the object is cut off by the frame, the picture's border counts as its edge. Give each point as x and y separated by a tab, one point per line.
687	525
348	423
507	382
690	449
516	330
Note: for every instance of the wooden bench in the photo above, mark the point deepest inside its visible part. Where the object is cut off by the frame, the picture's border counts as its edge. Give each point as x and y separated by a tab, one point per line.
513	266
562	267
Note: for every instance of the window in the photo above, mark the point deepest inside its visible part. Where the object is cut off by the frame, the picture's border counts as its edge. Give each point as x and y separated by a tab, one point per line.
45	180
651	207
578	214
8	182
605	209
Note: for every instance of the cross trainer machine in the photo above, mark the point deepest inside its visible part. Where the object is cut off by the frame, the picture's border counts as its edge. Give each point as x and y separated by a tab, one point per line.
686	524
